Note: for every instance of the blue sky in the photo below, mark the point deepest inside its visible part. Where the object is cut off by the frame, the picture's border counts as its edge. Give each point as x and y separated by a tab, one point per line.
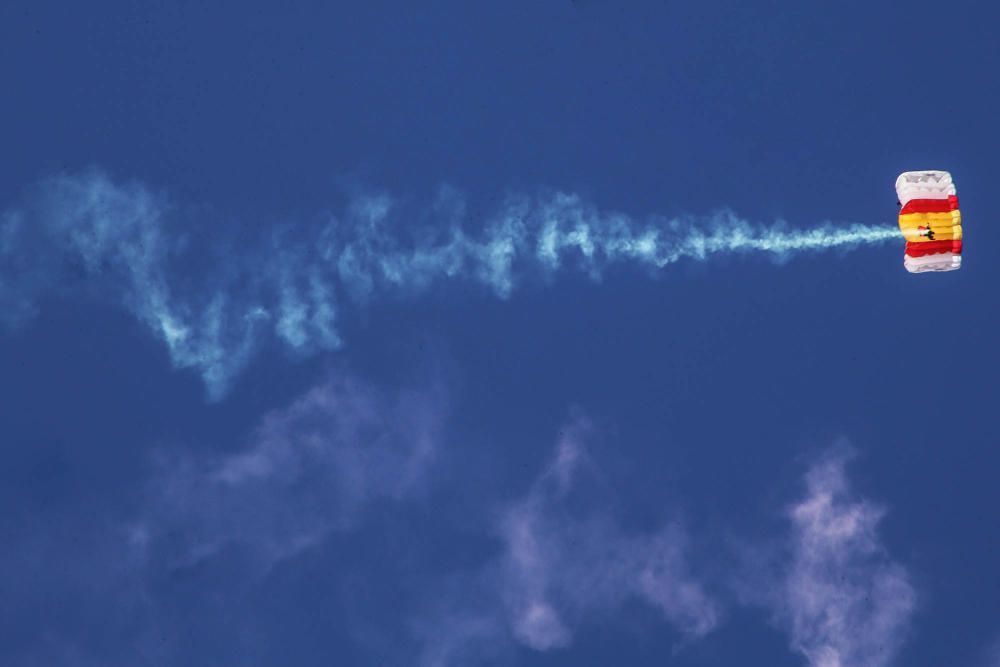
494	333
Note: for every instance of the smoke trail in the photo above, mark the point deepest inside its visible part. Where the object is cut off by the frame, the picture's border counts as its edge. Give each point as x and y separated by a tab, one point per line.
212	300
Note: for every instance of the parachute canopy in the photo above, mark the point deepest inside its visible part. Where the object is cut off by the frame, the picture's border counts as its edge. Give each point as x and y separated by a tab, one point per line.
930	221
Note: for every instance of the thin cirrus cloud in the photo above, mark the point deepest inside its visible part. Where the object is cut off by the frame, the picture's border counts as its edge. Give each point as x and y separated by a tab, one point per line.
991	656
72	593
842	600
562	562
310	470
213	301
561	566
87	587
834	590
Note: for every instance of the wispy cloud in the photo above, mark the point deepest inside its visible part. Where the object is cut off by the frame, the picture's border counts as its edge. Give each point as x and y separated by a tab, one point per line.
72	593
216	530
86	584
213	301
991	656
309	470
562	565
841	598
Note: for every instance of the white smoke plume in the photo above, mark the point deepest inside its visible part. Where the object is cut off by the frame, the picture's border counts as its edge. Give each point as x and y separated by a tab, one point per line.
213	300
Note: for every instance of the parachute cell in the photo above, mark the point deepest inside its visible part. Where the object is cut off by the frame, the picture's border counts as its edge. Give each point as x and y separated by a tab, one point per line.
930	221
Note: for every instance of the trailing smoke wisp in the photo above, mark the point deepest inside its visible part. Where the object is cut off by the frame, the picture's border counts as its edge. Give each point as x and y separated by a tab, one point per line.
212	302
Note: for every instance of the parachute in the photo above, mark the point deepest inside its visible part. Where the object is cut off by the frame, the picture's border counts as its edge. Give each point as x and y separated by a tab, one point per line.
930	221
